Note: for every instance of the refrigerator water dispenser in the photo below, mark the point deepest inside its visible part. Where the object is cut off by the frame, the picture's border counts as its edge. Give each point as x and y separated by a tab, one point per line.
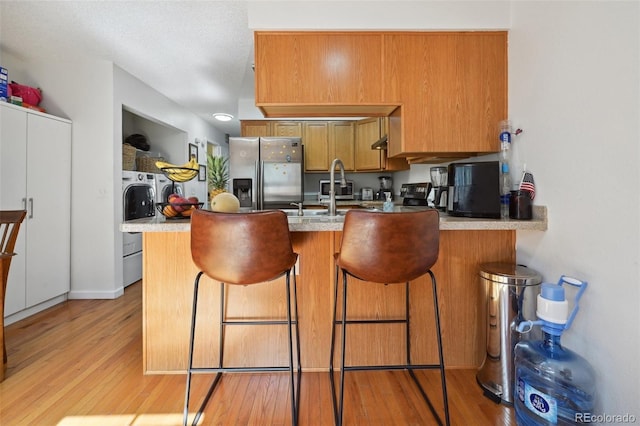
242	190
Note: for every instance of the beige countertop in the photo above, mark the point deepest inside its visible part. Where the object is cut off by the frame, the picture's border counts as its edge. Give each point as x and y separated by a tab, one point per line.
335	223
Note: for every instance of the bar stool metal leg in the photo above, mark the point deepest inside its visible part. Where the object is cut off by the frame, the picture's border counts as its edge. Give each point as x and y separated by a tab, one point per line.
338	397
440	366
337	419
295	391
292	320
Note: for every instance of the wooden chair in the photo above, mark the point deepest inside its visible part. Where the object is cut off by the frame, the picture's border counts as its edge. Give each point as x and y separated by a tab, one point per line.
10	221
386	248
244	249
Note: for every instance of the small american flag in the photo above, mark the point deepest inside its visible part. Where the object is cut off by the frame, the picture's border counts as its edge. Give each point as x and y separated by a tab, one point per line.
526	184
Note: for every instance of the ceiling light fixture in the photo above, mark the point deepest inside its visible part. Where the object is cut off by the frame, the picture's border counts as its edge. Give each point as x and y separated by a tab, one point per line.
221	116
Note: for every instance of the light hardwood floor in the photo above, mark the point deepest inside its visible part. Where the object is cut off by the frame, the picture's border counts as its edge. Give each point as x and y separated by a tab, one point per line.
80	363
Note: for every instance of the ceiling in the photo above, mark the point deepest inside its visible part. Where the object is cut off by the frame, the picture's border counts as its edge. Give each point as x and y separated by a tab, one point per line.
197	53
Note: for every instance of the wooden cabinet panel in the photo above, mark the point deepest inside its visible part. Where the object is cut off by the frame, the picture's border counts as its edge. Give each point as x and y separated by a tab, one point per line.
391	164
341	144
168	290
452	87
367	132
286	128
255	128
316	146
324	141
318	67
348	140
168	294
259	128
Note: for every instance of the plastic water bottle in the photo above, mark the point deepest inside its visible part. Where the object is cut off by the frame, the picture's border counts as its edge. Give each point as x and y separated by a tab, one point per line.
505	175
505	190
553	385
388	204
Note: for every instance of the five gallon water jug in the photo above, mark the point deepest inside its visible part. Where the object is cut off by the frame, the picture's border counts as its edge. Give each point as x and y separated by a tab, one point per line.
553	385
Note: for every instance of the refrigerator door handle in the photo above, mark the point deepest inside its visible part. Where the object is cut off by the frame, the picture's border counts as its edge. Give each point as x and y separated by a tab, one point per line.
259	179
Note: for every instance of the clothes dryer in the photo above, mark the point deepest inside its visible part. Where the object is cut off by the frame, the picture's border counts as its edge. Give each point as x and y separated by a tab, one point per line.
138	199
165	187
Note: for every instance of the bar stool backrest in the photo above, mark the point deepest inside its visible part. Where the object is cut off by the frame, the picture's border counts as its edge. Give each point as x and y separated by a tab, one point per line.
241	248
389	247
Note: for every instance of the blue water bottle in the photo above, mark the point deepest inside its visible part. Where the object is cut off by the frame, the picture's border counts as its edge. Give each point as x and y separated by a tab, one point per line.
553	385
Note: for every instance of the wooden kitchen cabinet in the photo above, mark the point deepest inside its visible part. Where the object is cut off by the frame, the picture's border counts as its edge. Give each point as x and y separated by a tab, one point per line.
445	92
317	68
255	128
286	128
168	292
316	146
342	143
348	140
260	128
323	141
453	91
367	132
35	174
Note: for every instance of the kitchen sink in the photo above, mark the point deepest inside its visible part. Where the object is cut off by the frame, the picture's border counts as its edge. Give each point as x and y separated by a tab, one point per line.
313	212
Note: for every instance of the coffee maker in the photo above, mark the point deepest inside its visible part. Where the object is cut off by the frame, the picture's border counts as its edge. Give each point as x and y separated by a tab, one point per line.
439	181
386	188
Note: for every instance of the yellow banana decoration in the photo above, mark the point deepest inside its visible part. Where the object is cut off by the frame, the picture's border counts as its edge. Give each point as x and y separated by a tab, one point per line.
182	173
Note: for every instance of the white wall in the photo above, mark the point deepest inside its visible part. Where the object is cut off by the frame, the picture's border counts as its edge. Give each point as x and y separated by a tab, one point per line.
70	90
137	96
573	88
140	98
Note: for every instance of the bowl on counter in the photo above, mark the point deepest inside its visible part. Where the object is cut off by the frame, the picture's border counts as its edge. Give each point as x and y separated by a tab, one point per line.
178	210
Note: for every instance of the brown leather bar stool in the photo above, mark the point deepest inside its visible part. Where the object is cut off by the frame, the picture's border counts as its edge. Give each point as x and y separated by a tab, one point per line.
10	221
244	249
387	248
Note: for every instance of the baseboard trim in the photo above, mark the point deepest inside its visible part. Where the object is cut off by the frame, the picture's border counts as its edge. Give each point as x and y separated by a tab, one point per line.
92	294
25	313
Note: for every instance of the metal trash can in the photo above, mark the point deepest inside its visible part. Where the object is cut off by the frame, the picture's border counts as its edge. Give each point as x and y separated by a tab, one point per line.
511	292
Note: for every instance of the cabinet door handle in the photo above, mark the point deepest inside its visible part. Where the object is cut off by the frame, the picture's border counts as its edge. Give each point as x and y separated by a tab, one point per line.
24	204
30	208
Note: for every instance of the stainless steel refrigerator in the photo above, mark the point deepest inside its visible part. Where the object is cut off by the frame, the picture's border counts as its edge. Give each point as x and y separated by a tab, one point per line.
266	173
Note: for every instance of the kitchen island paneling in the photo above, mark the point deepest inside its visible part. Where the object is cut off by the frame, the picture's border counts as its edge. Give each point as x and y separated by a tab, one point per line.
168	274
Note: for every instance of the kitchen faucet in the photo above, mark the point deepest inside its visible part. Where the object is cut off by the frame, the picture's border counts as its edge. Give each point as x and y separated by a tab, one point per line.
332	183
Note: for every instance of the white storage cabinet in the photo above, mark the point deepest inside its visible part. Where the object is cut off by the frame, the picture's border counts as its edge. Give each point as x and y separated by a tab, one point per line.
35	174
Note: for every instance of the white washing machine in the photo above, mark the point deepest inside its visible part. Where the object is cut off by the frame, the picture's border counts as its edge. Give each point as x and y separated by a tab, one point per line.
166	187
138	201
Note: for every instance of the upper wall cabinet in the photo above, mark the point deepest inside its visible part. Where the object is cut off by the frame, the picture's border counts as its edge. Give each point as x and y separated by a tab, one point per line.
289	129
255	128
323	141
452	87
317	68
445	92
368	131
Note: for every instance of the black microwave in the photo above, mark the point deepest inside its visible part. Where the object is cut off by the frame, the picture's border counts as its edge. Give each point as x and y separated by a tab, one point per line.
474	189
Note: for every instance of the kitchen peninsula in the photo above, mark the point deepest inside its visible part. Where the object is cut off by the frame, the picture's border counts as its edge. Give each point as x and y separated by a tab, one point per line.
168	274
